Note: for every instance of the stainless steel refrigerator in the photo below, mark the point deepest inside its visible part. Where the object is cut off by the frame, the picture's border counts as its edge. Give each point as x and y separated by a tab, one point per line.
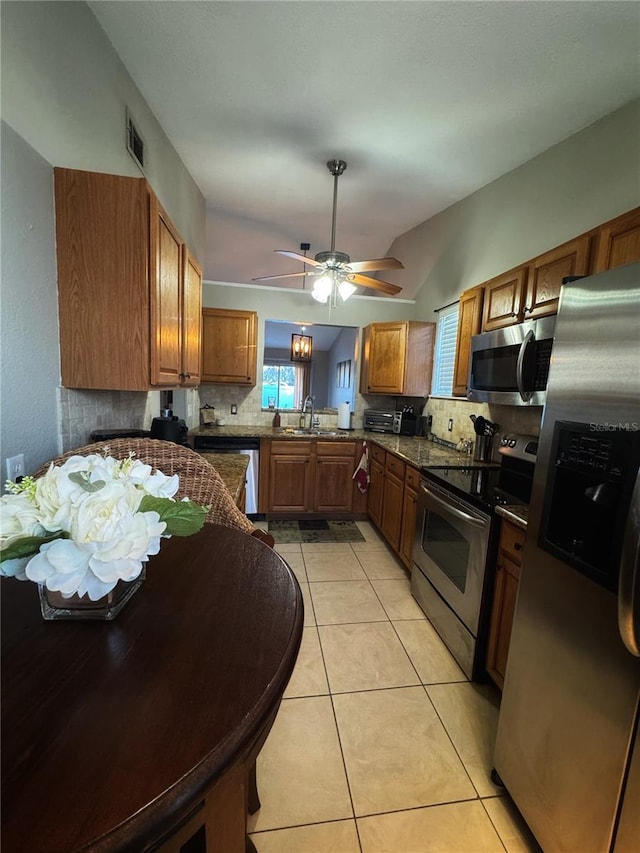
568	749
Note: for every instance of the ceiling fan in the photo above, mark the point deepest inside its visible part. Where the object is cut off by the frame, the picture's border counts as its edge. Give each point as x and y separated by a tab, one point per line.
335	271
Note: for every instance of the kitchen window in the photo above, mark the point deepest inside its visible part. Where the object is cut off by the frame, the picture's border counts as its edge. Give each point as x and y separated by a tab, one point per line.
445	351
284	385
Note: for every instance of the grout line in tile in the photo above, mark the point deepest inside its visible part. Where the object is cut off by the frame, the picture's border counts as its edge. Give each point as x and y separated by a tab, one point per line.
493	824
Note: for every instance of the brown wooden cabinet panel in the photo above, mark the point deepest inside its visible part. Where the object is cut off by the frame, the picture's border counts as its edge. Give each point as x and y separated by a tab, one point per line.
509	560
503	299
192	320
409	510
376	491
397	358
290	483
469	323
229	346
122	307
310	476
333	484
392	510
618	242
166	288
546	273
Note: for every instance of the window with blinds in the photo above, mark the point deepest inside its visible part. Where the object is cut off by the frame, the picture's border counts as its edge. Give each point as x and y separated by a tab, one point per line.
445	351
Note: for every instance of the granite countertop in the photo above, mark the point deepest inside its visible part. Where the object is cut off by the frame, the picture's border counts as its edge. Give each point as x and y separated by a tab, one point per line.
413	449
232	467
515	513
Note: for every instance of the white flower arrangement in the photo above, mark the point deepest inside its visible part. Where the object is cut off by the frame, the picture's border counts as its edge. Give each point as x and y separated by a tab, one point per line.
89	523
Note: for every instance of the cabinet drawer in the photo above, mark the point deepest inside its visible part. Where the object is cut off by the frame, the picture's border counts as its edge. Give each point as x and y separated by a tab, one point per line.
336	448
377	453
412	477
291	447
395	466
512	541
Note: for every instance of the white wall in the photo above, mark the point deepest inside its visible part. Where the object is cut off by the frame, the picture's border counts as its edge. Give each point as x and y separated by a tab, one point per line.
65	90
29	306
64	94
585	180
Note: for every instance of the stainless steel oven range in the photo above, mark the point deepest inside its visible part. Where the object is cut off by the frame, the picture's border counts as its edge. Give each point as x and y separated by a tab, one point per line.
455	537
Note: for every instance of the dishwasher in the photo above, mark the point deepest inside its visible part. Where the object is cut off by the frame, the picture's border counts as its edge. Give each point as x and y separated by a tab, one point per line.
237	444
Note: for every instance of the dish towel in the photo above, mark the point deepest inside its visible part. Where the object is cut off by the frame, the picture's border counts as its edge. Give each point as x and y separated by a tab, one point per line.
361	474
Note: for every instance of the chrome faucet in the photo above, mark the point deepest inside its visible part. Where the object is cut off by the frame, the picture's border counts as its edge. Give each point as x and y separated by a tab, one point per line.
308	400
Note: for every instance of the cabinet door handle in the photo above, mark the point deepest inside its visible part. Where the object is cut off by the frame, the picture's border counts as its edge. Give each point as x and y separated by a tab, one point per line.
517	546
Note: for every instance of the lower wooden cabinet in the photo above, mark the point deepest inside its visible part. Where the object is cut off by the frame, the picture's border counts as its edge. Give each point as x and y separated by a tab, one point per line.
314	476
507	580
393	493
409	511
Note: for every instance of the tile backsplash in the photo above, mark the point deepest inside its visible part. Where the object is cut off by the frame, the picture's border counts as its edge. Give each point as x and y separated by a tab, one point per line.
82	412
520	419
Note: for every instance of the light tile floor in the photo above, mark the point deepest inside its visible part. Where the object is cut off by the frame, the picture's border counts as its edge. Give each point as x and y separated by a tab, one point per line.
381	743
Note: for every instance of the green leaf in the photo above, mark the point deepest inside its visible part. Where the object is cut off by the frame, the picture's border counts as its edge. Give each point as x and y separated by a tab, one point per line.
183	518
82	479
29	545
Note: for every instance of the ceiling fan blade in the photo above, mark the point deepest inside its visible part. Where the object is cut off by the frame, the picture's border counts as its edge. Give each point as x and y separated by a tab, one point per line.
374	284
298	257
376	264
286	275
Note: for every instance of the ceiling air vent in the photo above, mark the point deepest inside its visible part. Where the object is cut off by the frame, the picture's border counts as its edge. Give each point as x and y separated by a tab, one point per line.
135	145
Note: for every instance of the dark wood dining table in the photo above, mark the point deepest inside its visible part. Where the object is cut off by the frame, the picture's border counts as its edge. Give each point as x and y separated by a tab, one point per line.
142	733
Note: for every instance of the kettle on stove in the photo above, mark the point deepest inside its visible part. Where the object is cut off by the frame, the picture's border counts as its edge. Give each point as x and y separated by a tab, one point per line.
169	429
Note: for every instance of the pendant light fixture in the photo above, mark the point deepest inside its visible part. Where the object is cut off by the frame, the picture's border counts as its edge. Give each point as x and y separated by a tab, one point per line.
301	347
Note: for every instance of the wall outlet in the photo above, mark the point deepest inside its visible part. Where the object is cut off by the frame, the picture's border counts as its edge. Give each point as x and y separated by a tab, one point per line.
234	409
450	425
15	467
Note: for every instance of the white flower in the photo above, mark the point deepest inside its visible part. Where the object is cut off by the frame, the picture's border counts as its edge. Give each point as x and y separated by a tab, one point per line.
88	526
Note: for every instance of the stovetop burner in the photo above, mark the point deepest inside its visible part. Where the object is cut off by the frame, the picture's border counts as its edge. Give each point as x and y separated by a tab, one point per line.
488	486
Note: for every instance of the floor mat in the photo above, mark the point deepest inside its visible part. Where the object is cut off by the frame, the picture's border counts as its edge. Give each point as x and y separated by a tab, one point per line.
315	531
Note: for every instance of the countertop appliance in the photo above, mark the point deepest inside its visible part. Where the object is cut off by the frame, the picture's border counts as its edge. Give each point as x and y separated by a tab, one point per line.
169	429
568	748
237	444
404	422
378	420
455	537
511	365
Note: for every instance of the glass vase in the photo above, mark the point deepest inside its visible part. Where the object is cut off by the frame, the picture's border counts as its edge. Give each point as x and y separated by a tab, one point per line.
55	606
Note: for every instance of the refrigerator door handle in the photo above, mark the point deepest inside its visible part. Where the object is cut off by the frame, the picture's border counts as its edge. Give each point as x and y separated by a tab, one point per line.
629	579
528	339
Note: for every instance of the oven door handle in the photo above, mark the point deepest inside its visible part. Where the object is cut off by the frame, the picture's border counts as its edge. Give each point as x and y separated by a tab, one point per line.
528	338
629	581
453	510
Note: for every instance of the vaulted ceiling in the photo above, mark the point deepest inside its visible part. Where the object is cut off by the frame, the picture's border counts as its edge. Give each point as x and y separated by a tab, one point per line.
426	101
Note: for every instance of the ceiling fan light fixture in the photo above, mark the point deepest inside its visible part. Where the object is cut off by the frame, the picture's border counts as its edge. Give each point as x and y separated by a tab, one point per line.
345	289
322	288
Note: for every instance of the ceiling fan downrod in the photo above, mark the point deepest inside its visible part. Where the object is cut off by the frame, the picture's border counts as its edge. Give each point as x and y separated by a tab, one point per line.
336	168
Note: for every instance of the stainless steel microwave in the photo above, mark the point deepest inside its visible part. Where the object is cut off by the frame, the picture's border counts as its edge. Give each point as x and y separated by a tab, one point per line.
511	365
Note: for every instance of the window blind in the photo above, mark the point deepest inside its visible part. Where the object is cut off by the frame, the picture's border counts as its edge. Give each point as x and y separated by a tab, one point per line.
445	351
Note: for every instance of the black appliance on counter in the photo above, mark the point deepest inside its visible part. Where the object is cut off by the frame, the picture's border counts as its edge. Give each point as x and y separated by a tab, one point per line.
169	429
455	538
404	422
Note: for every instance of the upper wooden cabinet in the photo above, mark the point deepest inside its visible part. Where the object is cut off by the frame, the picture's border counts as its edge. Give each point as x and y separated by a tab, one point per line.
229	346
618	242
192	323
397	358
469	323
533	290
124	314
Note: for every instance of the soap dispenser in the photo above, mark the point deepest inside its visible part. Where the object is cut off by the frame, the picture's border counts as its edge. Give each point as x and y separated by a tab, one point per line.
276	420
